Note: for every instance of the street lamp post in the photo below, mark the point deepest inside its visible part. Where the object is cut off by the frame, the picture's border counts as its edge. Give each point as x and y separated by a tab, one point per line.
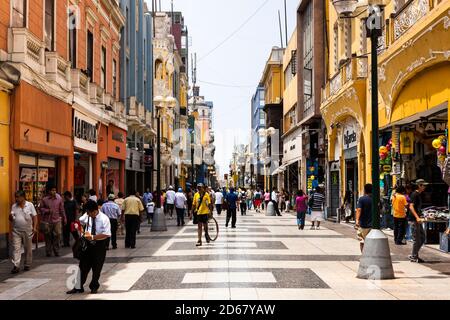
375	263
159	219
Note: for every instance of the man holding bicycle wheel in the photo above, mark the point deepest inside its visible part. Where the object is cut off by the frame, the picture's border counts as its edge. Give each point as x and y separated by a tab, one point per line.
201	206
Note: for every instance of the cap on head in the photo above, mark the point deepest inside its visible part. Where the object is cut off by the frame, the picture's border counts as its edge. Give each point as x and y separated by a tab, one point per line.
170	188
111	196
180	189
200	185
421	182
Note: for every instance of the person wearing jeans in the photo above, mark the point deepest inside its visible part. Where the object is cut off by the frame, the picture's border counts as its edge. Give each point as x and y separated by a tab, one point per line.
180	206
416	221
232	201
399	205
52	218
113	212
301	206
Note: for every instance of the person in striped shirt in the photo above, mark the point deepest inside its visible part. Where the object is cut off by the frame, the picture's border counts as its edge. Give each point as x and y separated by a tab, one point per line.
317	208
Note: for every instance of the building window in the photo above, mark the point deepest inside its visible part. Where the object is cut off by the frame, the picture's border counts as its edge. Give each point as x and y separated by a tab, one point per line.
19	14
348	38
308	55
49	31
363	36
72	41
90	55
114	79
262	119
103	68
128	27
336	47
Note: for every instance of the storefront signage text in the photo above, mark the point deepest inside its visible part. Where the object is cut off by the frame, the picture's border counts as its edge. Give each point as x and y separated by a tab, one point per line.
85	131
118	136
350	139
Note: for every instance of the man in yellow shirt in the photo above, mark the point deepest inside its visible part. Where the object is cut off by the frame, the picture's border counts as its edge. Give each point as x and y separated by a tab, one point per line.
399	206
200	205
132	208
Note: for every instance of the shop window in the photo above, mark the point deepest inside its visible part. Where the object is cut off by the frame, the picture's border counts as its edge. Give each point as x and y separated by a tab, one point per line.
19	14
49	30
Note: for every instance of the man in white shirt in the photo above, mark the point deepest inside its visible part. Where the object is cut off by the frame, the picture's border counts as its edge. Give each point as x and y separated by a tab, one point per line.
219	201
170	201
180	206
97	229
23	226
274	199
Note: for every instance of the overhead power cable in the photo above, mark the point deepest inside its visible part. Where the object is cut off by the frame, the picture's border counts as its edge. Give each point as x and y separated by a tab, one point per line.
235	31
225	85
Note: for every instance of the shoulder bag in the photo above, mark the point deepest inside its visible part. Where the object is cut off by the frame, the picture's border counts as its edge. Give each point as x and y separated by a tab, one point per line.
80	246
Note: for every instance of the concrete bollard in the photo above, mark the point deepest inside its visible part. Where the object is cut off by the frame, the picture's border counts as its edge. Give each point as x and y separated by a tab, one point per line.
376	262
159	220
270	210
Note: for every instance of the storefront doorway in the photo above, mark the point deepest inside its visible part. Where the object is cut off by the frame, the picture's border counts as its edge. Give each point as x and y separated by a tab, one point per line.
82	174
334	191
36	172
351	169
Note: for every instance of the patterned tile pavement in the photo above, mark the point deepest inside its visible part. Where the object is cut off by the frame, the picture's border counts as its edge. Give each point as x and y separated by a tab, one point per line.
263	258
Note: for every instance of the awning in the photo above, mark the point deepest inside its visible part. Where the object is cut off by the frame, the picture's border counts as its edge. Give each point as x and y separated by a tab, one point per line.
278	170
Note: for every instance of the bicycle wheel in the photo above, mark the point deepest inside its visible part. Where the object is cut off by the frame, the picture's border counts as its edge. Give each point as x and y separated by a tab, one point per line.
213	229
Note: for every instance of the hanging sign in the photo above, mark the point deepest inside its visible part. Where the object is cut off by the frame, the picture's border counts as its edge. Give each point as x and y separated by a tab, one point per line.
407	142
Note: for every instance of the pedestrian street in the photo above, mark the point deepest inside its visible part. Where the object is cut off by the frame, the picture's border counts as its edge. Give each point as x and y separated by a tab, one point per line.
263	258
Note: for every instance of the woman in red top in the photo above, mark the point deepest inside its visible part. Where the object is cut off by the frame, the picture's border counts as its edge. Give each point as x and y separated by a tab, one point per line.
301	205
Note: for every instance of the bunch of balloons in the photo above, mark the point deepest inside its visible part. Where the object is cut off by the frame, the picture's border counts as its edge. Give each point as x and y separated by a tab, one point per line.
385	153
440	144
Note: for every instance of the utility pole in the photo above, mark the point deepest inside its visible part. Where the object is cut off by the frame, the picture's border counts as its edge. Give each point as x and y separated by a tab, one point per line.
285	22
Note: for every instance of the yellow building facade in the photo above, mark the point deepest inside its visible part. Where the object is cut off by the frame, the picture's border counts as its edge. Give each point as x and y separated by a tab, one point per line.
414	93
273	83
5	192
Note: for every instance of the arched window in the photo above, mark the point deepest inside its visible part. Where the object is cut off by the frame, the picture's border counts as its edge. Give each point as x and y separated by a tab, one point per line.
158	70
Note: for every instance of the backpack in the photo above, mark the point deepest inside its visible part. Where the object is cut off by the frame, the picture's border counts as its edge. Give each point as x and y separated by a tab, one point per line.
258	196
311	200
446	171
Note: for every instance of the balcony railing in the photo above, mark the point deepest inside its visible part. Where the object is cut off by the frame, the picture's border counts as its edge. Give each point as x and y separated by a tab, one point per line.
57	69
80	83
409	15
28	49
353	69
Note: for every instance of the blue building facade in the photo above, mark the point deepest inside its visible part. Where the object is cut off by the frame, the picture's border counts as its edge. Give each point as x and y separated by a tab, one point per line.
258	117
136	73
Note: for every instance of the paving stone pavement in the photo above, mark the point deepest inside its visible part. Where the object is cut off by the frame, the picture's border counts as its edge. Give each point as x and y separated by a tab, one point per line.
263	258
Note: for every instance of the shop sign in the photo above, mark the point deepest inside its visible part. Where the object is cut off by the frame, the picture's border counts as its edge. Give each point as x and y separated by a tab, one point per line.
29	175
118	136
85	132
350	140
429	127
407	142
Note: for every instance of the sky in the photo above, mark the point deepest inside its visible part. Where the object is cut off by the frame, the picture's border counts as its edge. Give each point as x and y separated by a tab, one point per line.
232	40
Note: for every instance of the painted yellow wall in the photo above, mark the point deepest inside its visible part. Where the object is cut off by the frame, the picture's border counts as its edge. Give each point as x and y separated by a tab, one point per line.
5	191
290	91
274	85
423	92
